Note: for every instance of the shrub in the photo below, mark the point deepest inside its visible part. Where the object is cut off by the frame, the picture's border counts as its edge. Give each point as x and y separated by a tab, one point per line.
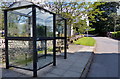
118	34
91	31
115	34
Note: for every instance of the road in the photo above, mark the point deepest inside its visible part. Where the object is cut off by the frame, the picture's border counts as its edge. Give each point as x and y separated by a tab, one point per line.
105	63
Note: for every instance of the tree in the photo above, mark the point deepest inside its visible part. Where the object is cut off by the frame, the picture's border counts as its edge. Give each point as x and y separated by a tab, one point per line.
104	22
12	24
1	20
118	23
74	11
3	5
40	31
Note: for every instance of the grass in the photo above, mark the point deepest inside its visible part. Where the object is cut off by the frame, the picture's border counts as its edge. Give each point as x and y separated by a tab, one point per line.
50	49
21	60
87	41
39	52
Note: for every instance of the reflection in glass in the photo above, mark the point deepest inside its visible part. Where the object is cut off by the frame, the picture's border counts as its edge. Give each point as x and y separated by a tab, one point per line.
47	37
20	53
44	23
45	52
19	24
60	46
60	25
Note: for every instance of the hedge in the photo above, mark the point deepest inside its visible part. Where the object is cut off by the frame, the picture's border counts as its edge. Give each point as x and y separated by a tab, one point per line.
116	34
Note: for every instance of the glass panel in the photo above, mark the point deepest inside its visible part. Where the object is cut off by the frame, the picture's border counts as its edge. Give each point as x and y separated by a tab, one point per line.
25	11
60	26
20	53
60	46
22	3
45	52
44	22
41	46
19	24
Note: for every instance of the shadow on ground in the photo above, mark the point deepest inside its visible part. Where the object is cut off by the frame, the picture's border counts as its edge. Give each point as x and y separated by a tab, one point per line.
105	65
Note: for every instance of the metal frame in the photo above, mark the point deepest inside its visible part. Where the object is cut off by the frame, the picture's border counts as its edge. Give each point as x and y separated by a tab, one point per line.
34	41
54	40
6	40
65	52
34	38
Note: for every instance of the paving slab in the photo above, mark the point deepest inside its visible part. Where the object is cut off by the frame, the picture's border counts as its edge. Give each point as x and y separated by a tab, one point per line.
73	66
64	68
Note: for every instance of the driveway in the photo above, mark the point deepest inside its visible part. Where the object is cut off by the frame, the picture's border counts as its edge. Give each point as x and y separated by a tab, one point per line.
105	63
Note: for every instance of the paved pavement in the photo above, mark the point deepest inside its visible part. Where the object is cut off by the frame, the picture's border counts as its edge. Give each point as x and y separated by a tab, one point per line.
105	63
73	66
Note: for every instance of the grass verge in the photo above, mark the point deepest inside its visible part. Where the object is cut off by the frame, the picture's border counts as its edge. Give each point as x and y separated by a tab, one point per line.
87	41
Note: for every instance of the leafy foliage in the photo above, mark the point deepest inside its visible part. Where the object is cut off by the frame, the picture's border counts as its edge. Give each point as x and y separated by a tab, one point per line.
105	22
40	31
116	34
77	13
1	20
3	5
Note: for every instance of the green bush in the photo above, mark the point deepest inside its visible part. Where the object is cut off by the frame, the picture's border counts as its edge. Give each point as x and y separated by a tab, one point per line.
118	34
115	34
91	31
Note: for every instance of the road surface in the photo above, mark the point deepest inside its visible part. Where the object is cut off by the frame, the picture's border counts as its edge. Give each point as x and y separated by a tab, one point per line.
105	63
